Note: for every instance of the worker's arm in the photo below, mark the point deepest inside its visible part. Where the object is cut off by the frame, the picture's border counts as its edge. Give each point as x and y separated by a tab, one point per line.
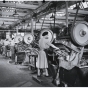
53	46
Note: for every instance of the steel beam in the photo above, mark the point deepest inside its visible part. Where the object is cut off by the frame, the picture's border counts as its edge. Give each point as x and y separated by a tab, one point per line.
19	6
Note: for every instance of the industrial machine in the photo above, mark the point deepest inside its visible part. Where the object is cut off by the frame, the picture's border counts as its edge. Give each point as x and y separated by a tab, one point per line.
77	35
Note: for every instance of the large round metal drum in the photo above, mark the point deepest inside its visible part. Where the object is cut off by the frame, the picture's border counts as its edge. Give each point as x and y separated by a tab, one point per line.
50	34
18	39
79	34
28	38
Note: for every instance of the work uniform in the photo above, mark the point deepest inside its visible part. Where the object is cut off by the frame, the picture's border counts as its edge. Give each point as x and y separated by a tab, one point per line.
42	62
42	58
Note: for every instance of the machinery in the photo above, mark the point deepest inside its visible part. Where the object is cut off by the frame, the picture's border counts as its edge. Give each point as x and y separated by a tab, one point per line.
28	38
50	34
78	35
21	47
18	39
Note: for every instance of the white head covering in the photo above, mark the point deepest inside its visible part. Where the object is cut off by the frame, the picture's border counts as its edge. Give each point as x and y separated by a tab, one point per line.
6	42
12	43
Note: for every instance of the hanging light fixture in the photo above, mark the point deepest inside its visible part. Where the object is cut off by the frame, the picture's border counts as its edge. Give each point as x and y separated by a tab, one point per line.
3	24
15	12
28	25
52	16
38	21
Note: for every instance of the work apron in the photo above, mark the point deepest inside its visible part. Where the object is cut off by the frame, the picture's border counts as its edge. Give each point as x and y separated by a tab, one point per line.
42	60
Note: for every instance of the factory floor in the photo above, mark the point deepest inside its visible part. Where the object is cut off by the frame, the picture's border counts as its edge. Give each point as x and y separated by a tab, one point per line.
12	75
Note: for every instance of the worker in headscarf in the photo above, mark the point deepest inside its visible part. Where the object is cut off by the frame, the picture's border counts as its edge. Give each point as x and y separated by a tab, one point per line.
12	51
42	63
70	73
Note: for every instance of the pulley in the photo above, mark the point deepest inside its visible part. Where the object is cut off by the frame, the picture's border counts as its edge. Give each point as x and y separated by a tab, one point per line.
28	38
50	34
18	39
79	34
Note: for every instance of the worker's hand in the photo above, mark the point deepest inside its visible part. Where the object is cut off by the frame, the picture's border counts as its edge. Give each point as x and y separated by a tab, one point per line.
60	58
57	49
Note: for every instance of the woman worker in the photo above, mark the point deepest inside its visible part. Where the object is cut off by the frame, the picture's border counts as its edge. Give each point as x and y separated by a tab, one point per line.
70	73
42	63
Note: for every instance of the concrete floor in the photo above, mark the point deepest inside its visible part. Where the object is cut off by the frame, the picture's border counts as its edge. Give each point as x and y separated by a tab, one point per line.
12	75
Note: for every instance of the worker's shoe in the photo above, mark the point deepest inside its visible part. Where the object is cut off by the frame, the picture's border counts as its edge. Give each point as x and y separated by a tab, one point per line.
38	73
46	73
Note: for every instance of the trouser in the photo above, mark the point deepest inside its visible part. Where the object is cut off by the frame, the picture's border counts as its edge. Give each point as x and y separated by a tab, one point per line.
39	71
71	77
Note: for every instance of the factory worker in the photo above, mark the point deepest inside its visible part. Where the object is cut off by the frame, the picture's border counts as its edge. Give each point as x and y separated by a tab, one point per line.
69	72
42	63
12	43
5	43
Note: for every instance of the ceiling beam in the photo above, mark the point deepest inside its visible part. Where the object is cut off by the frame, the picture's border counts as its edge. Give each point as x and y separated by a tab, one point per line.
11	13
64	18
59	21
74	11
7	19
48	21
19	6
37	27
18	10
69	18
6	22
